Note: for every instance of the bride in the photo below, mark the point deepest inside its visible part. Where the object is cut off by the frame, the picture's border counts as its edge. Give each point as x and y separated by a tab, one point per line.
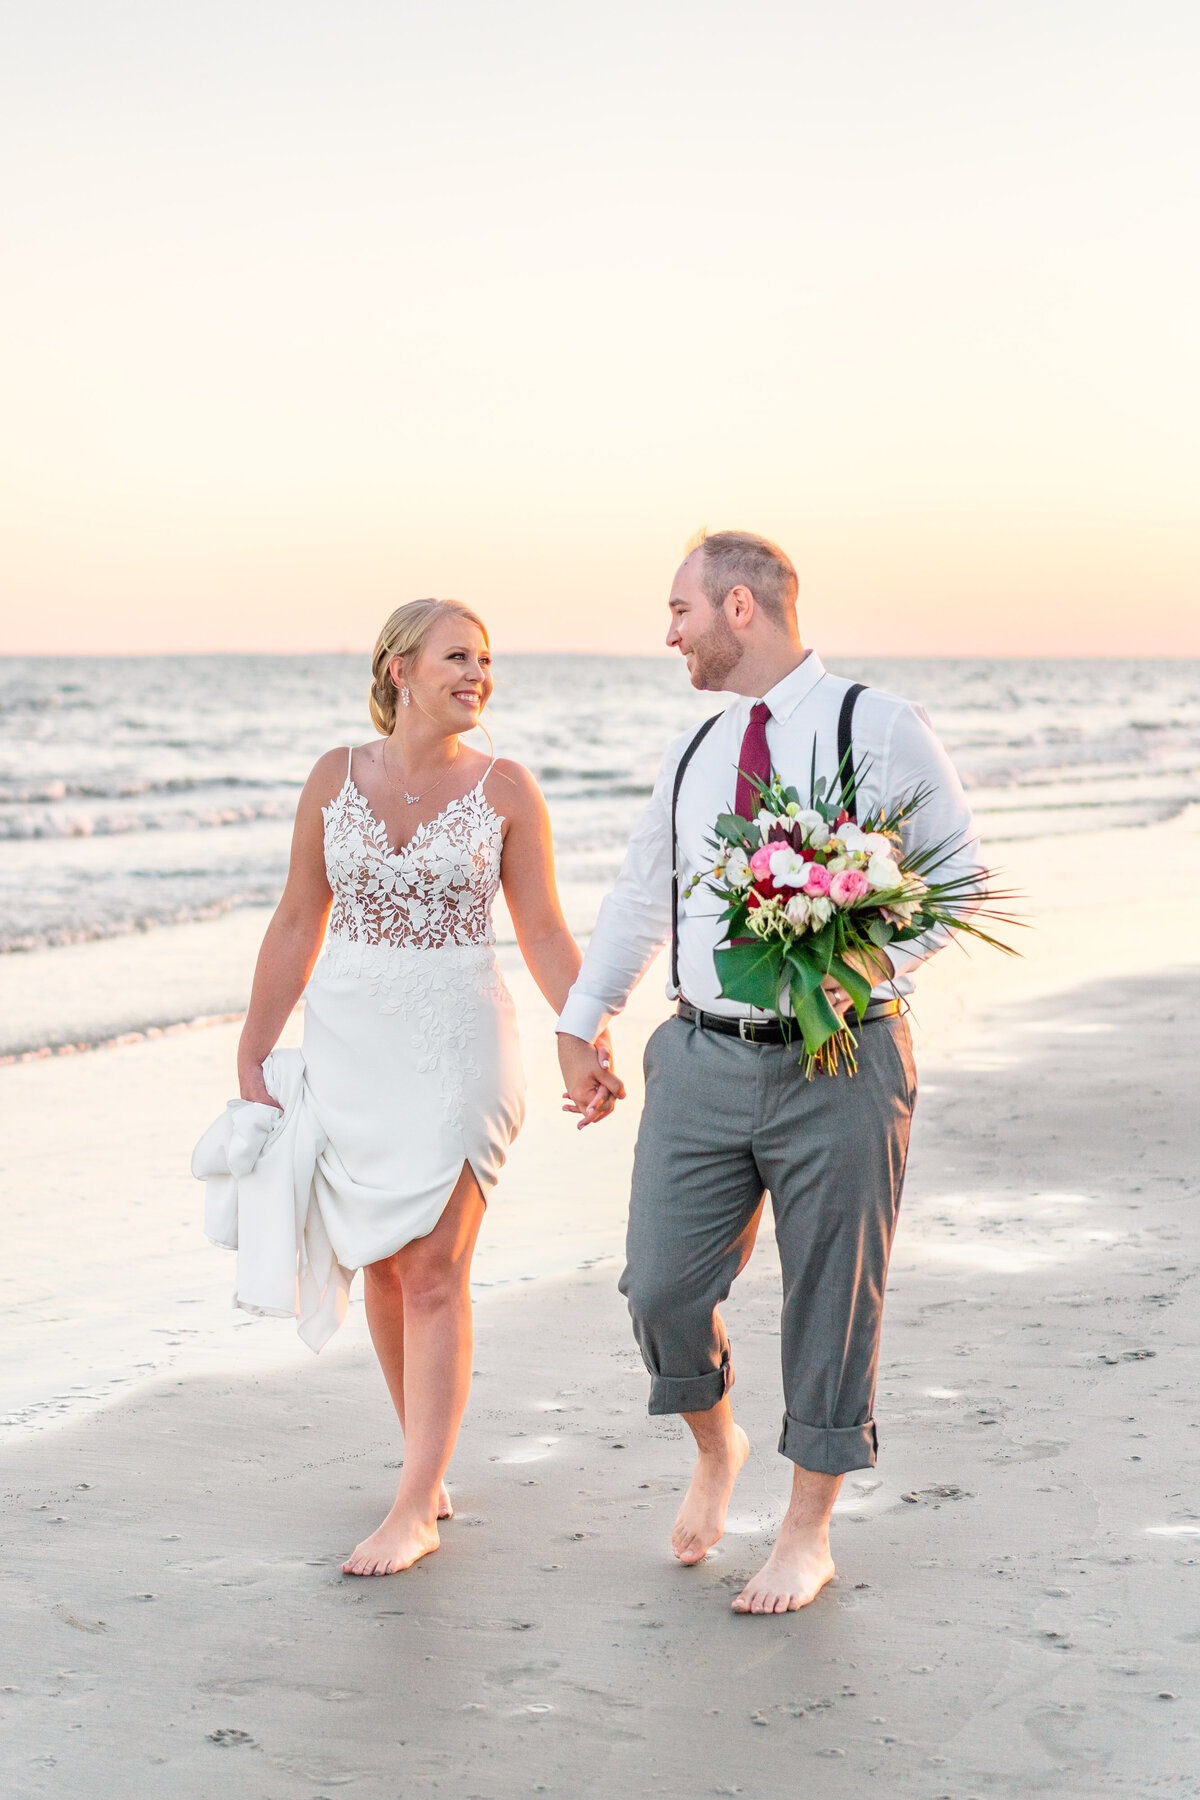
409	1081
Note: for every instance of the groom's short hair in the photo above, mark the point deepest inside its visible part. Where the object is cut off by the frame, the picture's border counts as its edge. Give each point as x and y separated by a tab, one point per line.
732	559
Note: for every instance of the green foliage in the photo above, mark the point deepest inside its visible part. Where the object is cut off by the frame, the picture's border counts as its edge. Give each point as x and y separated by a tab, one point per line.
751	973
817	1021
734	830
805	972
856	985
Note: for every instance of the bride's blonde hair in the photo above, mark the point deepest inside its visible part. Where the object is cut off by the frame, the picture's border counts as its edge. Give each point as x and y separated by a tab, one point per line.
405	634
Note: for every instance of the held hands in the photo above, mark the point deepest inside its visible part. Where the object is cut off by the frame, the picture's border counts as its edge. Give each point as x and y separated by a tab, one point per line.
592	1087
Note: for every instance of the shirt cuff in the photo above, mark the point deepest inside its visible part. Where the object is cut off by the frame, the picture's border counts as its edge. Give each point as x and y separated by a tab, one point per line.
583	1017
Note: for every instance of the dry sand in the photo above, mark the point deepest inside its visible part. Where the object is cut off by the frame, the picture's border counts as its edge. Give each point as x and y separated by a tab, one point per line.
1017	1608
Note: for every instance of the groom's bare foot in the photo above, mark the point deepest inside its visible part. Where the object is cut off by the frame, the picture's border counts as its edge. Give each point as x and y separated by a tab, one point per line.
701	1519
400	1541
793	1575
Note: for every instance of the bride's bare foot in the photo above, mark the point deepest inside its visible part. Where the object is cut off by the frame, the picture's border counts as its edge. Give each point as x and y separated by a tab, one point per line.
792	1576
445	1504
700	1522
399	1542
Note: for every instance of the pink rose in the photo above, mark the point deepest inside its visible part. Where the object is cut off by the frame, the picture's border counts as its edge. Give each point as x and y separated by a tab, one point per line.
818	879
847	886
760	862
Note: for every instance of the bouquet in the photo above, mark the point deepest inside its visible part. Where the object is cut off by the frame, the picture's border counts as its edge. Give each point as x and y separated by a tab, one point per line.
806	889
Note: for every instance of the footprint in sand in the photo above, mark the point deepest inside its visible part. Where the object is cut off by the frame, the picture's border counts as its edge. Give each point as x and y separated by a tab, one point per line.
77	1624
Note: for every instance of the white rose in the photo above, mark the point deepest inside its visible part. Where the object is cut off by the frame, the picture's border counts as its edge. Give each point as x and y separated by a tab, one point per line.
820	911
837	862
788	867
797	910
737	869
883	874
811	824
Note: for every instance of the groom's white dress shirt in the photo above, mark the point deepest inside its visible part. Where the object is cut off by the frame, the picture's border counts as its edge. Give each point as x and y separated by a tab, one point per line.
895	752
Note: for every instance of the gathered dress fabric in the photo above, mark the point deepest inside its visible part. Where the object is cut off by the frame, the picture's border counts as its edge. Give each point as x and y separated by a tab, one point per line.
410	1068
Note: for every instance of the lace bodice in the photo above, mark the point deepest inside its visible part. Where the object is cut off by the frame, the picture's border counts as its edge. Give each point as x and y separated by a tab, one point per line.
435	892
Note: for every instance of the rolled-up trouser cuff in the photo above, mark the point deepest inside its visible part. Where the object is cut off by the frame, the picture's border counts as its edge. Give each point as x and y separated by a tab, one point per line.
690	1393
828	1451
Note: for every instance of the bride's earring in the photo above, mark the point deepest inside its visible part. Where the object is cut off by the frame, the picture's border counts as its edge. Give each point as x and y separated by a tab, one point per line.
404	696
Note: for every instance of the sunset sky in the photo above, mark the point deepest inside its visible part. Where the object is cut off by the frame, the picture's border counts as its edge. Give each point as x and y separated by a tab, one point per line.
314	308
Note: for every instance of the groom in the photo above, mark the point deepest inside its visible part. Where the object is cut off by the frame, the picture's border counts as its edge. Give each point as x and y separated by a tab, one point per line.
728	1111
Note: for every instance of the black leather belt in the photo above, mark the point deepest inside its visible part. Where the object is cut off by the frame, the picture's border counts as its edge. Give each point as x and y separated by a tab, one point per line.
770	1031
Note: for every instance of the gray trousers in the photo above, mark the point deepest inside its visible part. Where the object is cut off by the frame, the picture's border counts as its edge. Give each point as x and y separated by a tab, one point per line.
723	1121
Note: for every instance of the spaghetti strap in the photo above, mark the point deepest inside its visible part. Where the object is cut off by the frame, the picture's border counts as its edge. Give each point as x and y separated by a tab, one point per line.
349	759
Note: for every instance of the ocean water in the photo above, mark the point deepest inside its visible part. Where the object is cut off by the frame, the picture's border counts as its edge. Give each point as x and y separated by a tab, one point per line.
141	791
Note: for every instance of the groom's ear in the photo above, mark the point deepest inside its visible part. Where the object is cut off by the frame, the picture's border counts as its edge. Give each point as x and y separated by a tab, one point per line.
739	607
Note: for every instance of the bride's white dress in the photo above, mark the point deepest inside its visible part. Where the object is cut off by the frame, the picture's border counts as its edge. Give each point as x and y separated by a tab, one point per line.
410	1067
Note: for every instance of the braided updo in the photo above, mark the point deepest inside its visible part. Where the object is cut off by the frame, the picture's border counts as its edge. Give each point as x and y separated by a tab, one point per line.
405	634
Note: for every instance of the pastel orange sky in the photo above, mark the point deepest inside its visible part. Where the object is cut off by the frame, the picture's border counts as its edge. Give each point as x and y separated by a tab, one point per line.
315	309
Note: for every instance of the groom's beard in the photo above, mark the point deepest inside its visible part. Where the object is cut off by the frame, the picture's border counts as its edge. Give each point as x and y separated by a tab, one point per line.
715	656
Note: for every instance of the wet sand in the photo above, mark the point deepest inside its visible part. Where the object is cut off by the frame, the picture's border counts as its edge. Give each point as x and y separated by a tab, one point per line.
107	1281
1019	1582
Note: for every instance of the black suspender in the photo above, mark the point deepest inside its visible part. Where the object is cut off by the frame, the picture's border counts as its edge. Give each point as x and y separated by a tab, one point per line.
681	770
847	774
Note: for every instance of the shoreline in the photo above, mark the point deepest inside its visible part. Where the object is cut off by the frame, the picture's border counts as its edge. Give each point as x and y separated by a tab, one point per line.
144	1035
108	992
110	1283
124	1289
69	999
1011	1614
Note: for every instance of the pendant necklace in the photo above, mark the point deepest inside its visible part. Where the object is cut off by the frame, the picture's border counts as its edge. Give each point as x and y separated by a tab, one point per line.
412	799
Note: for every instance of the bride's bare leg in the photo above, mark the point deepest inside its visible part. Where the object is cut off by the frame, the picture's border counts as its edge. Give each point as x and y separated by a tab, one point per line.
383	1292
434	1339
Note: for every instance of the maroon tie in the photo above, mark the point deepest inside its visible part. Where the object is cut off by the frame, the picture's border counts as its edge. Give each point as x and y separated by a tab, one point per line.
755	759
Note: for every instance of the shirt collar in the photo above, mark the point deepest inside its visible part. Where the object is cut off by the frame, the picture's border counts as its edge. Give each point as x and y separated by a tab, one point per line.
786	695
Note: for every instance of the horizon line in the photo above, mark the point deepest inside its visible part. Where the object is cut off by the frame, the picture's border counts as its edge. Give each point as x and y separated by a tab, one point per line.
1107	656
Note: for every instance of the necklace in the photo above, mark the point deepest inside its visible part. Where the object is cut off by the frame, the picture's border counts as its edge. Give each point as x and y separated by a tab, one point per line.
413	798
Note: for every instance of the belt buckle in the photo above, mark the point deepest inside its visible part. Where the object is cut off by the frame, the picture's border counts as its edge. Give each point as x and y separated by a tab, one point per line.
746	1030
